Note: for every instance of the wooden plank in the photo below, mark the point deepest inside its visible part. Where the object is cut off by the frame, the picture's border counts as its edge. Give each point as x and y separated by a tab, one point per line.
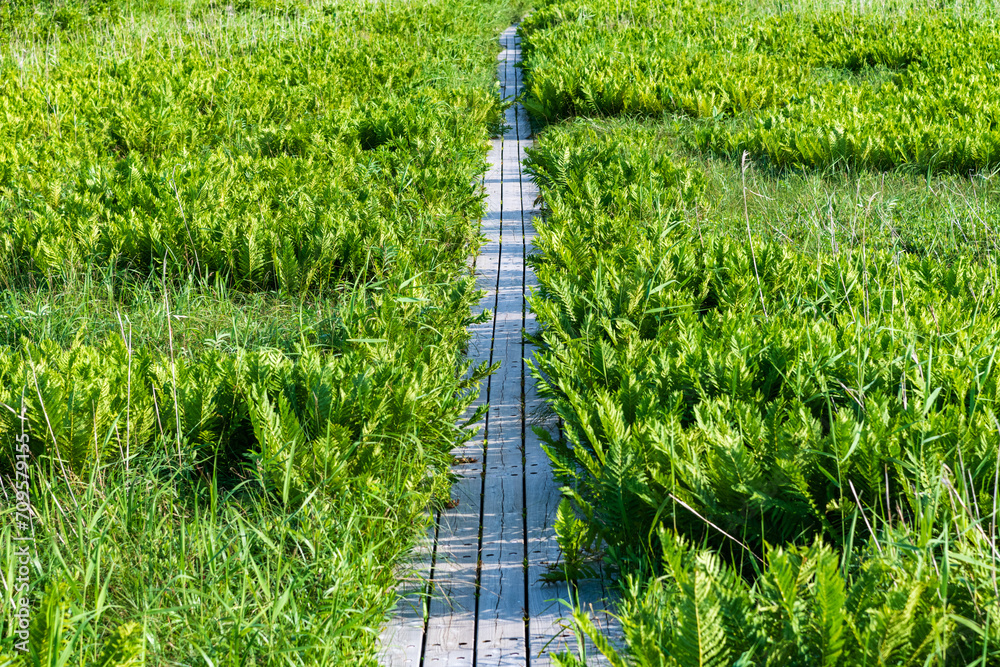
501	628
545	606
501	633
451	622
452	606
402	636
452	611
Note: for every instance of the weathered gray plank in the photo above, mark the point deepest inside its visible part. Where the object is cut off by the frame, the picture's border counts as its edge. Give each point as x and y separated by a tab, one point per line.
454	608
501	636
546	631
451	622
402	637
501	628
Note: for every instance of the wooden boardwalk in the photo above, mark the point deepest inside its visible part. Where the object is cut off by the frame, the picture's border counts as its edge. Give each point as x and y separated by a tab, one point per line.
476	597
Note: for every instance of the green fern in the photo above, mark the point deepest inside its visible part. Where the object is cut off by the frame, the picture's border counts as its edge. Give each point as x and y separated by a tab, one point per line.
124	648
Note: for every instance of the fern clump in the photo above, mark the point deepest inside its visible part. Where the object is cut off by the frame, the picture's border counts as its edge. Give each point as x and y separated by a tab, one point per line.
791	456
796	85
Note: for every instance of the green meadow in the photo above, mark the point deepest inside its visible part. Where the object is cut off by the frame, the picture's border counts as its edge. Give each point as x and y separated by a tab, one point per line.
233	244
768	307
234	300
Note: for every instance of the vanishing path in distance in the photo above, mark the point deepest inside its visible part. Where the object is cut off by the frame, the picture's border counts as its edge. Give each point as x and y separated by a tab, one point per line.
506	495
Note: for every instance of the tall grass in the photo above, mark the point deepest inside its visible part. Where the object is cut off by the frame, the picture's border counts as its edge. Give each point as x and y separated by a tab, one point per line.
785	440
209	573
234	307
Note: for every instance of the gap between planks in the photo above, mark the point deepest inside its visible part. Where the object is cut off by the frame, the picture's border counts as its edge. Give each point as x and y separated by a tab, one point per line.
475	596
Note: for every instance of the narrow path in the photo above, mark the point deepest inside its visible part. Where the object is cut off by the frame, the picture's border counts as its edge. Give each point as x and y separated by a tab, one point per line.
501	612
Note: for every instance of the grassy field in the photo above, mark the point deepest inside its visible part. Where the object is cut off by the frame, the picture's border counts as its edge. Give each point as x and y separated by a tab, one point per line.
768	269
233	243
801	84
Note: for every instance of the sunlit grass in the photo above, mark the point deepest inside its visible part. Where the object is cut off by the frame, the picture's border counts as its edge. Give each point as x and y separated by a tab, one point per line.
233	439
726	345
